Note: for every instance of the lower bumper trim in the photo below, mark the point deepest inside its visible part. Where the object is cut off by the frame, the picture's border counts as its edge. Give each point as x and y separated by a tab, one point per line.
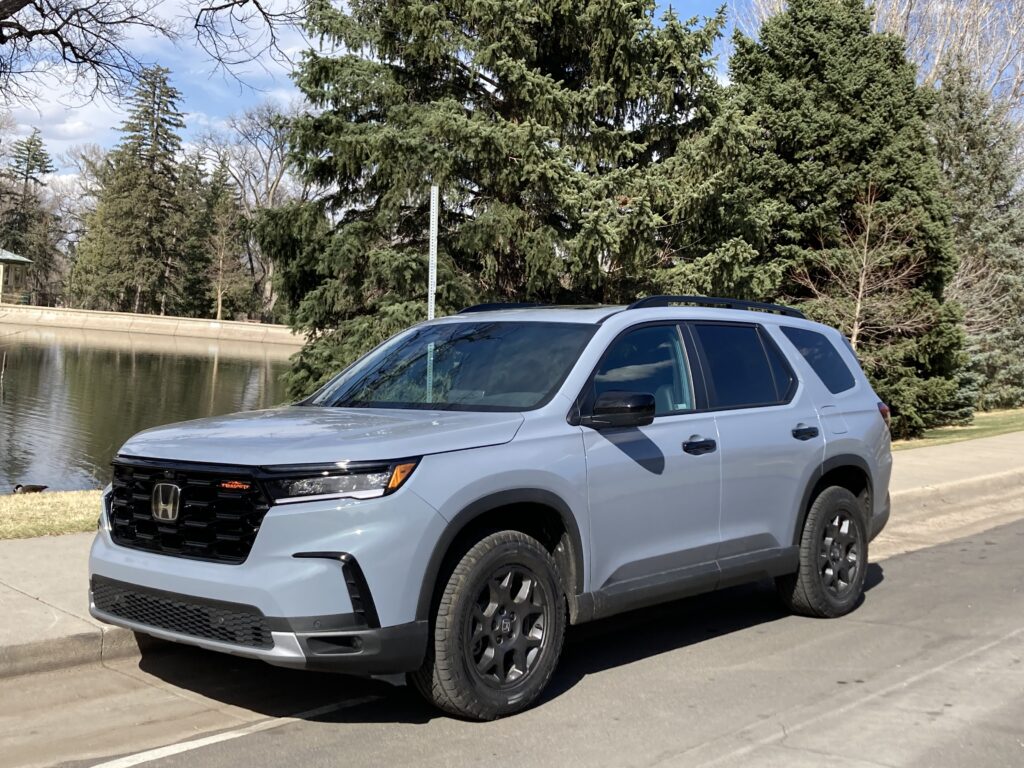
878	522
364	651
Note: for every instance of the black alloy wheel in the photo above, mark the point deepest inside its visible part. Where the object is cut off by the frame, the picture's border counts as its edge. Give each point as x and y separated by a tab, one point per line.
505	630
839	555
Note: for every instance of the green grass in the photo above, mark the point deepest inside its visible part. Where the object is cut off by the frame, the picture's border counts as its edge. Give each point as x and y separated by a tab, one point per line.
985	424
48	513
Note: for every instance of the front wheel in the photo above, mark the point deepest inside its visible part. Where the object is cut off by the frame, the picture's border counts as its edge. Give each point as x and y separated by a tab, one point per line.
833	558
498	630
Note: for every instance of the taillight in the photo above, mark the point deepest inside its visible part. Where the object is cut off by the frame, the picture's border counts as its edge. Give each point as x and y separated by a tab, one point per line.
886	415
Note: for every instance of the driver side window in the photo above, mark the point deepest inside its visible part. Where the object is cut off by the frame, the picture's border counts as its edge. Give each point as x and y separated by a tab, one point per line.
648	360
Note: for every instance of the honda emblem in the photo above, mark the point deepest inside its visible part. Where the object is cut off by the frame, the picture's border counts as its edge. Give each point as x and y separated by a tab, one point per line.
166	500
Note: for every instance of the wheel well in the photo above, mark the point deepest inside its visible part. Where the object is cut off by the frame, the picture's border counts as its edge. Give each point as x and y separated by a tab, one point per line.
536	519
852	477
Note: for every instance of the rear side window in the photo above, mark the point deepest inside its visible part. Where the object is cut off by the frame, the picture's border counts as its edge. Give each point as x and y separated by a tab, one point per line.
743	370
823	357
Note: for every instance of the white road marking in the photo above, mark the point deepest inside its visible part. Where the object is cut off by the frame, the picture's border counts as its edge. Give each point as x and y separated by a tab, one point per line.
264	725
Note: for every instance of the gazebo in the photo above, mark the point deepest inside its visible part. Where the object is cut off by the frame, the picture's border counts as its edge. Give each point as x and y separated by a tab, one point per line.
9	278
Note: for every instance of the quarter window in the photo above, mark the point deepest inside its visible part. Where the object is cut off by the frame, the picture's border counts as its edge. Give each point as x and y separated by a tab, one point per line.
742	370
648	360
823	357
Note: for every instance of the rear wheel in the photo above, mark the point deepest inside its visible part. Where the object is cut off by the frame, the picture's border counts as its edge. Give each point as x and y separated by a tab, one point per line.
833	558
498	630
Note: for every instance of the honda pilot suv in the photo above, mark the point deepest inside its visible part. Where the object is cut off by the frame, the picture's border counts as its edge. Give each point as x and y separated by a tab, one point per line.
449	503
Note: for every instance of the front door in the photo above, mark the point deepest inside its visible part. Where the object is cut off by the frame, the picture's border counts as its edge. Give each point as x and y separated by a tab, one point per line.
654	490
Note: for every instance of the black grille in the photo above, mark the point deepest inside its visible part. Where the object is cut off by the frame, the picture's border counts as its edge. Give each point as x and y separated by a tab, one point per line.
226	622
214	522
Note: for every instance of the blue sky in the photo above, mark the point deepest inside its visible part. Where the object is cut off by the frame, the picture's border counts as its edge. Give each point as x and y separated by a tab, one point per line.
208	97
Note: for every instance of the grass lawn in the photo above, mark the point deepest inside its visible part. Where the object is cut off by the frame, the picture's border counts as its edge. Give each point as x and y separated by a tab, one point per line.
48	513
985	424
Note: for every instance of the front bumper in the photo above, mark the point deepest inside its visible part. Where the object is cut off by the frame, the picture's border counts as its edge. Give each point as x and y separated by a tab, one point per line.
339	643
296	587
331	644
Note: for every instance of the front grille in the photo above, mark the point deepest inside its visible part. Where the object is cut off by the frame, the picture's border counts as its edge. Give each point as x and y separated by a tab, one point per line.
210	620
213	522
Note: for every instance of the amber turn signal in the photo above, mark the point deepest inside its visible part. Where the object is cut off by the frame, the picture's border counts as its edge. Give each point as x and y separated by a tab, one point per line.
399	475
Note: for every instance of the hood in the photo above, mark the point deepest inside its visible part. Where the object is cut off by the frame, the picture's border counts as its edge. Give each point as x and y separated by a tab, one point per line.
315	435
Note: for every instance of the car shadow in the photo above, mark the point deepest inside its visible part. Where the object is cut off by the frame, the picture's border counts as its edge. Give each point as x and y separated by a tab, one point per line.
589	649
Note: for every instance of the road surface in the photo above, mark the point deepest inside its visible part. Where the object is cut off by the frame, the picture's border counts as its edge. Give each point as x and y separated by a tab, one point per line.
928	671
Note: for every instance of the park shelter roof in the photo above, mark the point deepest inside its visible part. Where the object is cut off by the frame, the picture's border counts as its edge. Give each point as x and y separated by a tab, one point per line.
6	257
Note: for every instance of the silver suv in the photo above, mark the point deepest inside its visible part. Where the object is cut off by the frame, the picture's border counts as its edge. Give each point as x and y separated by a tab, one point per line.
451	501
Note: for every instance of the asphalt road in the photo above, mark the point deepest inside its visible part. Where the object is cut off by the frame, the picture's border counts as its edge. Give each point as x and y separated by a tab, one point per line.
928	671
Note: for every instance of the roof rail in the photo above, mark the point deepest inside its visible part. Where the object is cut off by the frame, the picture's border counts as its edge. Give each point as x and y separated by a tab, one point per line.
715	301
499	305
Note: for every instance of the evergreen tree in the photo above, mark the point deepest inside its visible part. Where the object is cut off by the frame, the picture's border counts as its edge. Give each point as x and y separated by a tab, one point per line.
540	121
978	150
134	253
27	225
187	279
29	163
835	201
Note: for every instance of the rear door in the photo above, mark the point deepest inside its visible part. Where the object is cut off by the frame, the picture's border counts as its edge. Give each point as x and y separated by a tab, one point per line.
769	436
654	490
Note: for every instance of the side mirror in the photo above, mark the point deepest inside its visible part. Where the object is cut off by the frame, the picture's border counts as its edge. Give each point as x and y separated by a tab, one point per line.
621	409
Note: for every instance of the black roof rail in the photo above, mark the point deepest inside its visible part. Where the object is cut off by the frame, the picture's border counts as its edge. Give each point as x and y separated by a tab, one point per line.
499	305
715	301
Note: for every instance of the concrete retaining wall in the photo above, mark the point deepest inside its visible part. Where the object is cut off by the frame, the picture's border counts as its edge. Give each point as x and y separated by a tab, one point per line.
123	322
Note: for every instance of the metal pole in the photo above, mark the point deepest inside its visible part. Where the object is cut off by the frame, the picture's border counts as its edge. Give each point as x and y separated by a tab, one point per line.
432	269
432	285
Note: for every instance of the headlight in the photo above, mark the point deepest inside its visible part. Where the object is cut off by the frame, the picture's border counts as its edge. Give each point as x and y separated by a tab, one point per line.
344	480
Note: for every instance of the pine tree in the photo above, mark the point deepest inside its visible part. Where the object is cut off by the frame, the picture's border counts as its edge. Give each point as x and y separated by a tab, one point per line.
27	225
540	121
187	285
838	181
983	175
133	256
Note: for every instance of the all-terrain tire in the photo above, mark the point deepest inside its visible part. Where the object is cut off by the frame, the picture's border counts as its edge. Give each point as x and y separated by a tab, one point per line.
502	608
833	558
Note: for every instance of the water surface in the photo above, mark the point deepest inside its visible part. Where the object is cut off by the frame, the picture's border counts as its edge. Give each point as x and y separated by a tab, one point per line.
70	398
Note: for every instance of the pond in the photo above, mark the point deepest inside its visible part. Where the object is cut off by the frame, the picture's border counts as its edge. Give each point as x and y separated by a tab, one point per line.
70	398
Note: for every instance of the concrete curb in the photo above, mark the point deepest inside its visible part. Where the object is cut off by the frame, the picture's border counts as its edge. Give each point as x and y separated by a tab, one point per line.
940	507
75	650
971	491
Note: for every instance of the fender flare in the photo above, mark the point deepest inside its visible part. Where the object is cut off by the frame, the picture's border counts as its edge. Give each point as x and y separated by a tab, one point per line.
834	462
458	523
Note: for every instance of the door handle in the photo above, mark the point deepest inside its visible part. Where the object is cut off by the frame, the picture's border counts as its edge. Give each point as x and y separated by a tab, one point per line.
803	432
698	446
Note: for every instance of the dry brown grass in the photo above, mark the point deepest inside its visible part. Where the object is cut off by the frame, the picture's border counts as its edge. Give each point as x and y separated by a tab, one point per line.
48	513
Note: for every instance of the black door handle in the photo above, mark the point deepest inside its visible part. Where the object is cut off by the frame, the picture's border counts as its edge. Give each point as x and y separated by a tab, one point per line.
803	432
699	446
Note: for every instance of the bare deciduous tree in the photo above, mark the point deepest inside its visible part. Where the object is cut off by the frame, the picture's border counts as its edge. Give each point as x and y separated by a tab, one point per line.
986	36
254	150
863	286
88	44
236	32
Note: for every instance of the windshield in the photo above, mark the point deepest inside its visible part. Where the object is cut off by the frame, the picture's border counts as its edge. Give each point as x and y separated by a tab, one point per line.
462	366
